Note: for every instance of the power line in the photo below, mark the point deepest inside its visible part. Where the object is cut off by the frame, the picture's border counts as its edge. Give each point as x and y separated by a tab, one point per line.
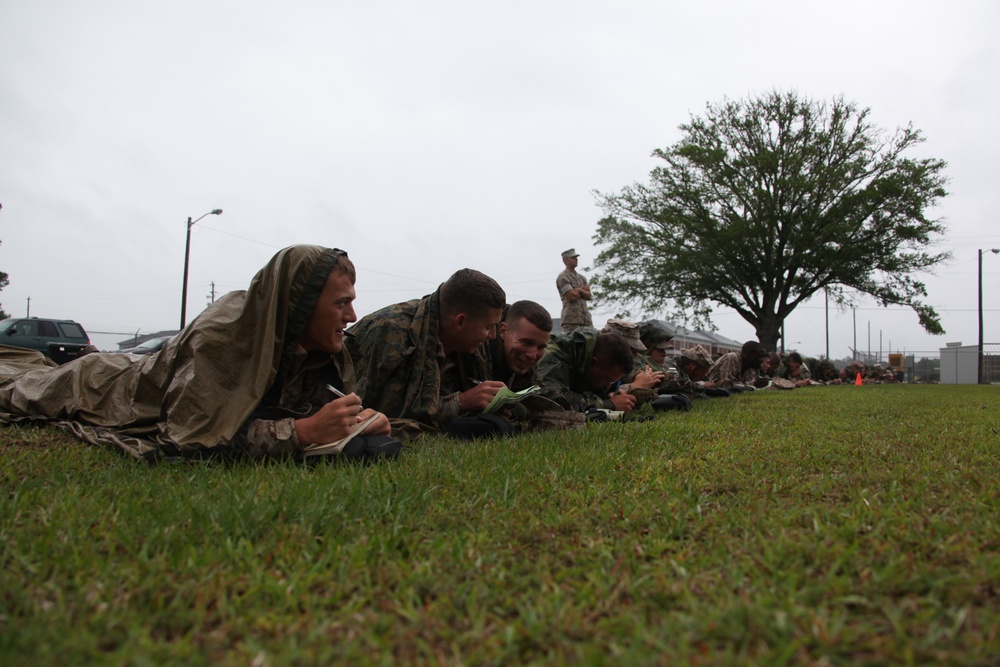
99	298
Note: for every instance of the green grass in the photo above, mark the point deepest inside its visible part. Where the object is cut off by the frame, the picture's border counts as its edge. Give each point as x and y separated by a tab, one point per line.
828	526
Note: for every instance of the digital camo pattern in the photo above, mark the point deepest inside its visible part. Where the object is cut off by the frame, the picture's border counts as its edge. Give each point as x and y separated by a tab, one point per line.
399	360
564	368
728	370
574	313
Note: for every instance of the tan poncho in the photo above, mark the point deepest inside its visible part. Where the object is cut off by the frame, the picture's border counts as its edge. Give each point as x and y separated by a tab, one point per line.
200	389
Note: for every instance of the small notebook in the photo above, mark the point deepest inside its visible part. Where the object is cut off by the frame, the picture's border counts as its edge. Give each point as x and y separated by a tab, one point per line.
337	446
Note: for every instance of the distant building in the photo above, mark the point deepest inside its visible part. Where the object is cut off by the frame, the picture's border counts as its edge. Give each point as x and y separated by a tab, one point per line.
720	344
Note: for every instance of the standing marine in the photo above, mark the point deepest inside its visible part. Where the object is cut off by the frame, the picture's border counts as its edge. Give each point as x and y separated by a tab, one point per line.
574	292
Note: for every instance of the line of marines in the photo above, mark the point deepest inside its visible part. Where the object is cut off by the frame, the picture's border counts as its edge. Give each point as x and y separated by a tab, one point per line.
286	365
427	362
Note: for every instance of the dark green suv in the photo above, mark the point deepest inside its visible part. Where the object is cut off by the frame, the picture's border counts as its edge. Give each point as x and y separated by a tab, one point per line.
60	340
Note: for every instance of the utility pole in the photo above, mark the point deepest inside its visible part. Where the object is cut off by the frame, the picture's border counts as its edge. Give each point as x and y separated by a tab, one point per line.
854	315
29	307
211	296
979	356
827	293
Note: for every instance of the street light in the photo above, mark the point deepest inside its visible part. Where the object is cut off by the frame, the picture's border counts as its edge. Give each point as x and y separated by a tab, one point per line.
187	257
979	373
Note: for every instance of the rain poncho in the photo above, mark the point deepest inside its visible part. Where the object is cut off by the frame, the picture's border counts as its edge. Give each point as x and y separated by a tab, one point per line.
200	391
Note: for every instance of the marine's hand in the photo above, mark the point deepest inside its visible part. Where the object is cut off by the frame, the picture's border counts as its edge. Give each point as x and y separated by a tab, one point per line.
477	398
378	427
334	421
622	401
648	378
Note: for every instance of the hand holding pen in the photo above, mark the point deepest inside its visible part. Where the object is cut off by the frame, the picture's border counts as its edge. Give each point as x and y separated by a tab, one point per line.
477	398
333	420
379	427
341	394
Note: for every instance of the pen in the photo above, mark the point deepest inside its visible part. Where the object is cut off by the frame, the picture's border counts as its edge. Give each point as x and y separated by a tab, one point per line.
337	391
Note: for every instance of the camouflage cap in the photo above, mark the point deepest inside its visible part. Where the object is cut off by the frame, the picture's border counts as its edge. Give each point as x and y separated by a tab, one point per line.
698	355
570	253
655	334
627	330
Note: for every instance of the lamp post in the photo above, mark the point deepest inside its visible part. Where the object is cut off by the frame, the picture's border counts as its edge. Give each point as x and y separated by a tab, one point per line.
187	257
979	371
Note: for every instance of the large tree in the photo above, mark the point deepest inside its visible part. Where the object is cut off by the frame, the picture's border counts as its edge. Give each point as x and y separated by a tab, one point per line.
768	200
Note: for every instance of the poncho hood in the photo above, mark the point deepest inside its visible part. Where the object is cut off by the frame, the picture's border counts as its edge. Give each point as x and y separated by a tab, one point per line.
195	393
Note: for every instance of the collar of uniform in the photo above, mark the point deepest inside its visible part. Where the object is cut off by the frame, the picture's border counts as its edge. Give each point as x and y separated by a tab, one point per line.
305	359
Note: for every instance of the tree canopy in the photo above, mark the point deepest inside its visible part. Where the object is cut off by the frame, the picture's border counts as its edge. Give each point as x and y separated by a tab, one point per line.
766	201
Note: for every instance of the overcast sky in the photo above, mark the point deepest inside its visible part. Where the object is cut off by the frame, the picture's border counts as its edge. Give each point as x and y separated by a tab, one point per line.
424	137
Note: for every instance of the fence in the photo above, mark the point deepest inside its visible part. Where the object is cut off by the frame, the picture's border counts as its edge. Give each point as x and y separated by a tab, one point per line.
947	365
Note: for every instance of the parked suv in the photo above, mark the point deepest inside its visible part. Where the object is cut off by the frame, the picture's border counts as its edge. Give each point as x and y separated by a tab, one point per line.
60	340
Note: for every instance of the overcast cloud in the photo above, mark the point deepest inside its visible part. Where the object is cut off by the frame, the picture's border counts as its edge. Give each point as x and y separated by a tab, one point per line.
424	137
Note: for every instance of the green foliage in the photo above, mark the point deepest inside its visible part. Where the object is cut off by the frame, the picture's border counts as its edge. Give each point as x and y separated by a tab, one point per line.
768	200
836	525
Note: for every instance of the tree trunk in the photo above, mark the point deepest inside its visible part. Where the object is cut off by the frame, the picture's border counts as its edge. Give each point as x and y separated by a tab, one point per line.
768	333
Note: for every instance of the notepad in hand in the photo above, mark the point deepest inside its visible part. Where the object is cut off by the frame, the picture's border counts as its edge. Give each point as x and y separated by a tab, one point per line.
507	397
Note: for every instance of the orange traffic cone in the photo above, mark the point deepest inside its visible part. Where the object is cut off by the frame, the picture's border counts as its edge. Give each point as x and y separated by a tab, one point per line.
857	380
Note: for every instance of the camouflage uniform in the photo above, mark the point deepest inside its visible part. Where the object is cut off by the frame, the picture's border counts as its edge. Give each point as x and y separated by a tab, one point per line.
630	332
642	361
783	371
822	370
271	429
402	369
728	370
678	382
574	313
501	373
564	370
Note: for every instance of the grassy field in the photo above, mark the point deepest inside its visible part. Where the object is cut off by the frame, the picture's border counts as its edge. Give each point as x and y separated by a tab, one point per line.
827	526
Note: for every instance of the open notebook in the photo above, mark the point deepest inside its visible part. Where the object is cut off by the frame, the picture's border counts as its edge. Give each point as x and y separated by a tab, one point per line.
337	446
